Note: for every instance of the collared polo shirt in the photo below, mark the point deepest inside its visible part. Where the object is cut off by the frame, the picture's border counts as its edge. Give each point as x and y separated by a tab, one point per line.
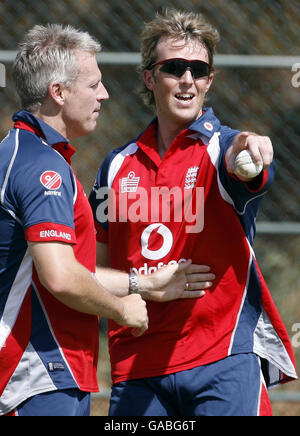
44	345
155	211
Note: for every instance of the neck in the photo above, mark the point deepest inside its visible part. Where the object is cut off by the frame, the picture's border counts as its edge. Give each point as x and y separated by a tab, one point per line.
53	119
164	141
166	134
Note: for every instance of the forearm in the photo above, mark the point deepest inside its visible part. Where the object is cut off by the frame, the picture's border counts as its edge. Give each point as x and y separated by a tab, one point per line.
166	284
76	287
84	293
71	283
117	282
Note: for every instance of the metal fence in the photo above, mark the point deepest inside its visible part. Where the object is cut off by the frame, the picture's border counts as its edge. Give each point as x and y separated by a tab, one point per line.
257	88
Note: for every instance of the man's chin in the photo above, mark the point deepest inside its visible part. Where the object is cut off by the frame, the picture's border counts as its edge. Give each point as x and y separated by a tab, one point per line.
80	133
186	119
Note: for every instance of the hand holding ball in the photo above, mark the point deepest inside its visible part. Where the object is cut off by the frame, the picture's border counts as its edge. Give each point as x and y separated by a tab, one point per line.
245	165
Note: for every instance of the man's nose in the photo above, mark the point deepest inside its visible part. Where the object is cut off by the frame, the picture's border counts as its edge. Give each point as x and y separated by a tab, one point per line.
187	76
102	94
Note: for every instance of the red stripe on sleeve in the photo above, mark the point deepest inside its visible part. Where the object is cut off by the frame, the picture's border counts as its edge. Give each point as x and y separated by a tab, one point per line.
47	232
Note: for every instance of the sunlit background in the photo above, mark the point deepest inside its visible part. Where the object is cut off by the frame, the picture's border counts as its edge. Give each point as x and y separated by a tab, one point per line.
255	89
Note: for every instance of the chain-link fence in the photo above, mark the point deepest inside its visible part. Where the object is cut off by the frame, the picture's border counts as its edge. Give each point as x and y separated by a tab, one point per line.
260	94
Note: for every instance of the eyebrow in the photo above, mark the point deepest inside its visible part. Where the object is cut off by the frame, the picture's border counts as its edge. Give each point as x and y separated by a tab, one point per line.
96	80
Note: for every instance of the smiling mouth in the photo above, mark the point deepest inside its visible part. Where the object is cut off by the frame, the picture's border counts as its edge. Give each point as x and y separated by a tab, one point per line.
184	97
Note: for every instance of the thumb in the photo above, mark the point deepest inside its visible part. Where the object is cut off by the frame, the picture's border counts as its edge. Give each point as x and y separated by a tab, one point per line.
239	143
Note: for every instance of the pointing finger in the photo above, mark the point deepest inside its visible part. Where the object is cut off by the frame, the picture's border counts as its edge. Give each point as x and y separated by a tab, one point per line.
240	142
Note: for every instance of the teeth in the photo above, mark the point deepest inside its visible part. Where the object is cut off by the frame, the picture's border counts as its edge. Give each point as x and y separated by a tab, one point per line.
184	96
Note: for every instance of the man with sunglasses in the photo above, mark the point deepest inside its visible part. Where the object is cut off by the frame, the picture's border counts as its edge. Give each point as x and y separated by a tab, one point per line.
217	354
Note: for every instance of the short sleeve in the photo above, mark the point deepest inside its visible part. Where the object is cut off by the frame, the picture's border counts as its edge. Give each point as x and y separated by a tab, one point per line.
245	197
44	190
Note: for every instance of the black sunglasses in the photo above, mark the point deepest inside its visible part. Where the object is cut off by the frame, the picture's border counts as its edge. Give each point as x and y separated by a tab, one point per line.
178	66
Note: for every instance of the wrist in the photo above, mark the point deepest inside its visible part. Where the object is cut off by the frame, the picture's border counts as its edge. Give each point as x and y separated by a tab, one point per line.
133	284
146	285
120	316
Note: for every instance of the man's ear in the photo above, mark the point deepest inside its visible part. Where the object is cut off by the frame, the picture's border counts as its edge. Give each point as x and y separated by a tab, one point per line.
149	79
209	82
56	92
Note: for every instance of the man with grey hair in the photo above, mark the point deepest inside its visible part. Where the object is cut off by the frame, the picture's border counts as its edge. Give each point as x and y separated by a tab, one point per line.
51	295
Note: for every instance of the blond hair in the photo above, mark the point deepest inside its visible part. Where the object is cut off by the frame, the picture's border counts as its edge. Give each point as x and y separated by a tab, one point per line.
175	25
48	53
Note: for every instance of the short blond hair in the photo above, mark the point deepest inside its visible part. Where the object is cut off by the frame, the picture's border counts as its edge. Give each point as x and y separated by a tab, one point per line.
48	53
176	25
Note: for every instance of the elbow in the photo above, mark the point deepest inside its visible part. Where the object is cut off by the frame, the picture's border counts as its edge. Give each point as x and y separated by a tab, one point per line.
54	264
57	285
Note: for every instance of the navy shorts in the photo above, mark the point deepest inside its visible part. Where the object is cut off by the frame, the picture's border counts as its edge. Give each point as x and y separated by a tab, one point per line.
230	387
68	402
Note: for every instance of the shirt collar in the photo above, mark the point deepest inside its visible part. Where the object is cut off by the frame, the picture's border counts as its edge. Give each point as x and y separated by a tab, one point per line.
206	125
26	120
203	128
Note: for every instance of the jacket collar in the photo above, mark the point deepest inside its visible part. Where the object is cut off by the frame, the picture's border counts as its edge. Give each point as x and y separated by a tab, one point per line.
207	124
27	121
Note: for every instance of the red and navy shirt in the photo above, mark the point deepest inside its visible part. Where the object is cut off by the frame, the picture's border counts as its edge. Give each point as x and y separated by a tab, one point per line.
44	345
153	212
